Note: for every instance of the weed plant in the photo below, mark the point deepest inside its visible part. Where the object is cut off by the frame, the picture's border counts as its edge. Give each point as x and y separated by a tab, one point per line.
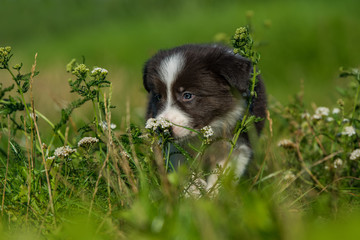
93	181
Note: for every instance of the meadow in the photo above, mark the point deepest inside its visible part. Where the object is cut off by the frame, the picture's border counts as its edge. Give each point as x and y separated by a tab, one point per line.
76	161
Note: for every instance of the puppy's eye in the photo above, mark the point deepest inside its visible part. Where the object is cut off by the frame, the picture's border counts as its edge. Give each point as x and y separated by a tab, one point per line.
157	97
187	96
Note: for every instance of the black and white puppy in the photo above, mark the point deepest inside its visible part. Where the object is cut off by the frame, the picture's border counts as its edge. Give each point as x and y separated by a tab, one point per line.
204	85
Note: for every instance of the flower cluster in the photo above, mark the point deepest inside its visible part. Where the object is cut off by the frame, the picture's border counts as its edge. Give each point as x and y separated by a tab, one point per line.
155	123
286	143
321	112
100	72
4	55
207	131
86	142
338	163
64	152
327	140
349	131
104	125
243	45
80	71
289	176
355	155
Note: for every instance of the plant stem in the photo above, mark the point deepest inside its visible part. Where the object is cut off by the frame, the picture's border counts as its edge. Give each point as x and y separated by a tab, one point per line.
356	99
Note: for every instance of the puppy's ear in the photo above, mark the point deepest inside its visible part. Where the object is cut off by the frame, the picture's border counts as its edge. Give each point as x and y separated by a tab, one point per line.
235	69
148	72
146	77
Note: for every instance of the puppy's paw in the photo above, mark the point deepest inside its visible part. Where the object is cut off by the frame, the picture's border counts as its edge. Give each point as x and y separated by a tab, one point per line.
196	188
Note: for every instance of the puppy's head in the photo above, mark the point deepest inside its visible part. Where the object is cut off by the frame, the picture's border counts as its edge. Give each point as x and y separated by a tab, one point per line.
195	86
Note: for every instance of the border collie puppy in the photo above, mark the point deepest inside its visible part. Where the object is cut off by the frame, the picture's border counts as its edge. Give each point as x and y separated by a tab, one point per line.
204	85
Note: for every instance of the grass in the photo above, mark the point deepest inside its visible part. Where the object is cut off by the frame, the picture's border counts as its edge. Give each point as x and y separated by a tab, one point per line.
118	188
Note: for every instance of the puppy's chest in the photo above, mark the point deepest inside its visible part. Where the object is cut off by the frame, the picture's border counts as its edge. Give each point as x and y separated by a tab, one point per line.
207	159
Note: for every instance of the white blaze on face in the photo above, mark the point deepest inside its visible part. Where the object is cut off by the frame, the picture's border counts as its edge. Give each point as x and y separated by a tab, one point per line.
170	68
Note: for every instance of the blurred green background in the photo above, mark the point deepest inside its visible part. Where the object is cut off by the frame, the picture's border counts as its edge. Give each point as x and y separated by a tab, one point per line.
303	40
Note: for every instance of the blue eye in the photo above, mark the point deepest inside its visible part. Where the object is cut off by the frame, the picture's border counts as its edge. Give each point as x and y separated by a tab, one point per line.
187	96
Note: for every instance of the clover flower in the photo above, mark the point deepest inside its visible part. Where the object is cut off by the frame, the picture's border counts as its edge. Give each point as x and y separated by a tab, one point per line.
338	163
355	155
104	125
286	143
86	142
64	152
154	123
97	71
349	131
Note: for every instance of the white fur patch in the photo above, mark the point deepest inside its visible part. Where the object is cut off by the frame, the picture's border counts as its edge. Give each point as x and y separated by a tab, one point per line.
170	68
241	159
227	123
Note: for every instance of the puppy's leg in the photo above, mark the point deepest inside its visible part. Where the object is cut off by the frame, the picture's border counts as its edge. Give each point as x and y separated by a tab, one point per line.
241	158
238	163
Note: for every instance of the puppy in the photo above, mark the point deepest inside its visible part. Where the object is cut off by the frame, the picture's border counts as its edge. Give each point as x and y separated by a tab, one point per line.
204	85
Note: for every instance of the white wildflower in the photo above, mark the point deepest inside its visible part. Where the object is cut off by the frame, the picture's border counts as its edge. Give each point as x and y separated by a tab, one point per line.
87	141
316	116
163	123
32	116
336	111
338	163
64	151
322	111
153	124
349	131
104	125
207	131
99	71
289	176
345	120
51	158
125	154
355	155
329	119
305	115
286	143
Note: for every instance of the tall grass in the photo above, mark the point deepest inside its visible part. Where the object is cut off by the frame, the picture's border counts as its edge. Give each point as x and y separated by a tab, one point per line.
95	180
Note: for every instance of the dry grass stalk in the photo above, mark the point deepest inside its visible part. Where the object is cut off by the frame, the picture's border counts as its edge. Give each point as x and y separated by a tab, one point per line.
7	167
51	202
